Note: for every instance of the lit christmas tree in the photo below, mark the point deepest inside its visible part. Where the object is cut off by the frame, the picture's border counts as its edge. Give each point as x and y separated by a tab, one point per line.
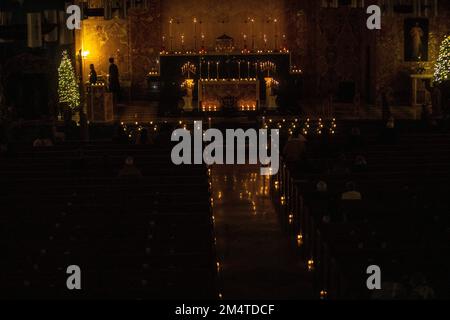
442	72
68	90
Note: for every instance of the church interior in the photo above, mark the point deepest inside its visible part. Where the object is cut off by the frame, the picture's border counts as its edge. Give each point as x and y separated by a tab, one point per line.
92	93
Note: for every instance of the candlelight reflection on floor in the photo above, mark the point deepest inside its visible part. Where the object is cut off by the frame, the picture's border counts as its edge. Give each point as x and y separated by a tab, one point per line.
256	259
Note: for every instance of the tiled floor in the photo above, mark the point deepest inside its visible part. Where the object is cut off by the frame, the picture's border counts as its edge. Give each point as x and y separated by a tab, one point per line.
256	258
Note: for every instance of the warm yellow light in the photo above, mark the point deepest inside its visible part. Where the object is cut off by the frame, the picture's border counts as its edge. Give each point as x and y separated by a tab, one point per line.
310	265
300	243
85	53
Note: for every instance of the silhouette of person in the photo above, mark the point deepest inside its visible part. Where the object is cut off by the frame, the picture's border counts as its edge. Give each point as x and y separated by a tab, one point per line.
114	84
92	75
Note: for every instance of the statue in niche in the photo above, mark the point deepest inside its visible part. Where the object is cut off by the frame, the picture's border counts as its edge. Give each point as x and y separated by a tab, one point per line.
416	40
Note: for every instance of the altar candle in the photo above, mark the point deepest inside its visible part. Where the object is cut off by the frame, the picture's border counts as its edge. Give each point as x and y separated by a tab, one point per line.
253	33
182	42
208	69
248	69
200	69
171	34
239	69
195	34
217	65
276	33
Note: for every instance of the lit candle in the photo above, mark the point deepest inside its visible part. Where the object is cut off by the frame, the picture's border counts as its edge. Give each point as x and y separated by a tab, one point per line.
253	33
208	69
195	34
248	69
239	69
276	33
182	42
171	34
217	65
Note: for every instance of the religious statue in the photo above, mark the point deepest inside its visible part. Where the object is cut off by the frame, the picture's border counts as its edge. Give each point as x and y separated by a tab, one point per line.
416	39
416	35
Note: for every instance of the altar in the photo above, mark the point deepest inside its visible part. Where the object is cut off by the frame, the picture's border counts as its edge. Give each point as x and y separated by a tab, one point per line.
223	94
223	81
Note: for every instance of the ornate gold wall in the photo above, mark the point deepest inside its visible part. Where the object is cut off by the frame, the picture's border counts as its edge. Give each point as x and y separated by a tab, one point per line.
104	39
145	43
134	42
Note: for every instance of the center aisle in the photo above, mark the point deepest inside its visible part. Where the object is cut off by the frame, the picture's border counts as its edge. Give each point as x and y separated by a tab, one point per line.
256	258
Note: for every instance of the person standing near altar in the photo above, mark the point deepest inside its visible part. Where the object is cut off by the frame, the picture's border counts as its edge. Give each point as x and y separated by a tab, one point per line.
92	75
114	84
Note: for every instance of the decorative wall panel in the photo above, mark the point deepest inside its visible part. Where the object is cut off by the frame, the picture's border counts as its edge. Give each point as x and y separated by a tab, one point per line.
104	39
145	43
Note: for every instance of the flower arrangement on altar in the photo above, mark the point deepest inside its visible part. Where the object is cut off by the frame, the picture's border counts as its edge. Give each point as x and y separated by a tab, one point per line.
188	84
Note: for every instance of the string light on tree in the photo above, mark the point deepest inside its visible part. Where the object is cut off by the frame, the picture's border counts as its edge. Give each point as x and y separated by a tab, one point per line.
68	90
442	72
